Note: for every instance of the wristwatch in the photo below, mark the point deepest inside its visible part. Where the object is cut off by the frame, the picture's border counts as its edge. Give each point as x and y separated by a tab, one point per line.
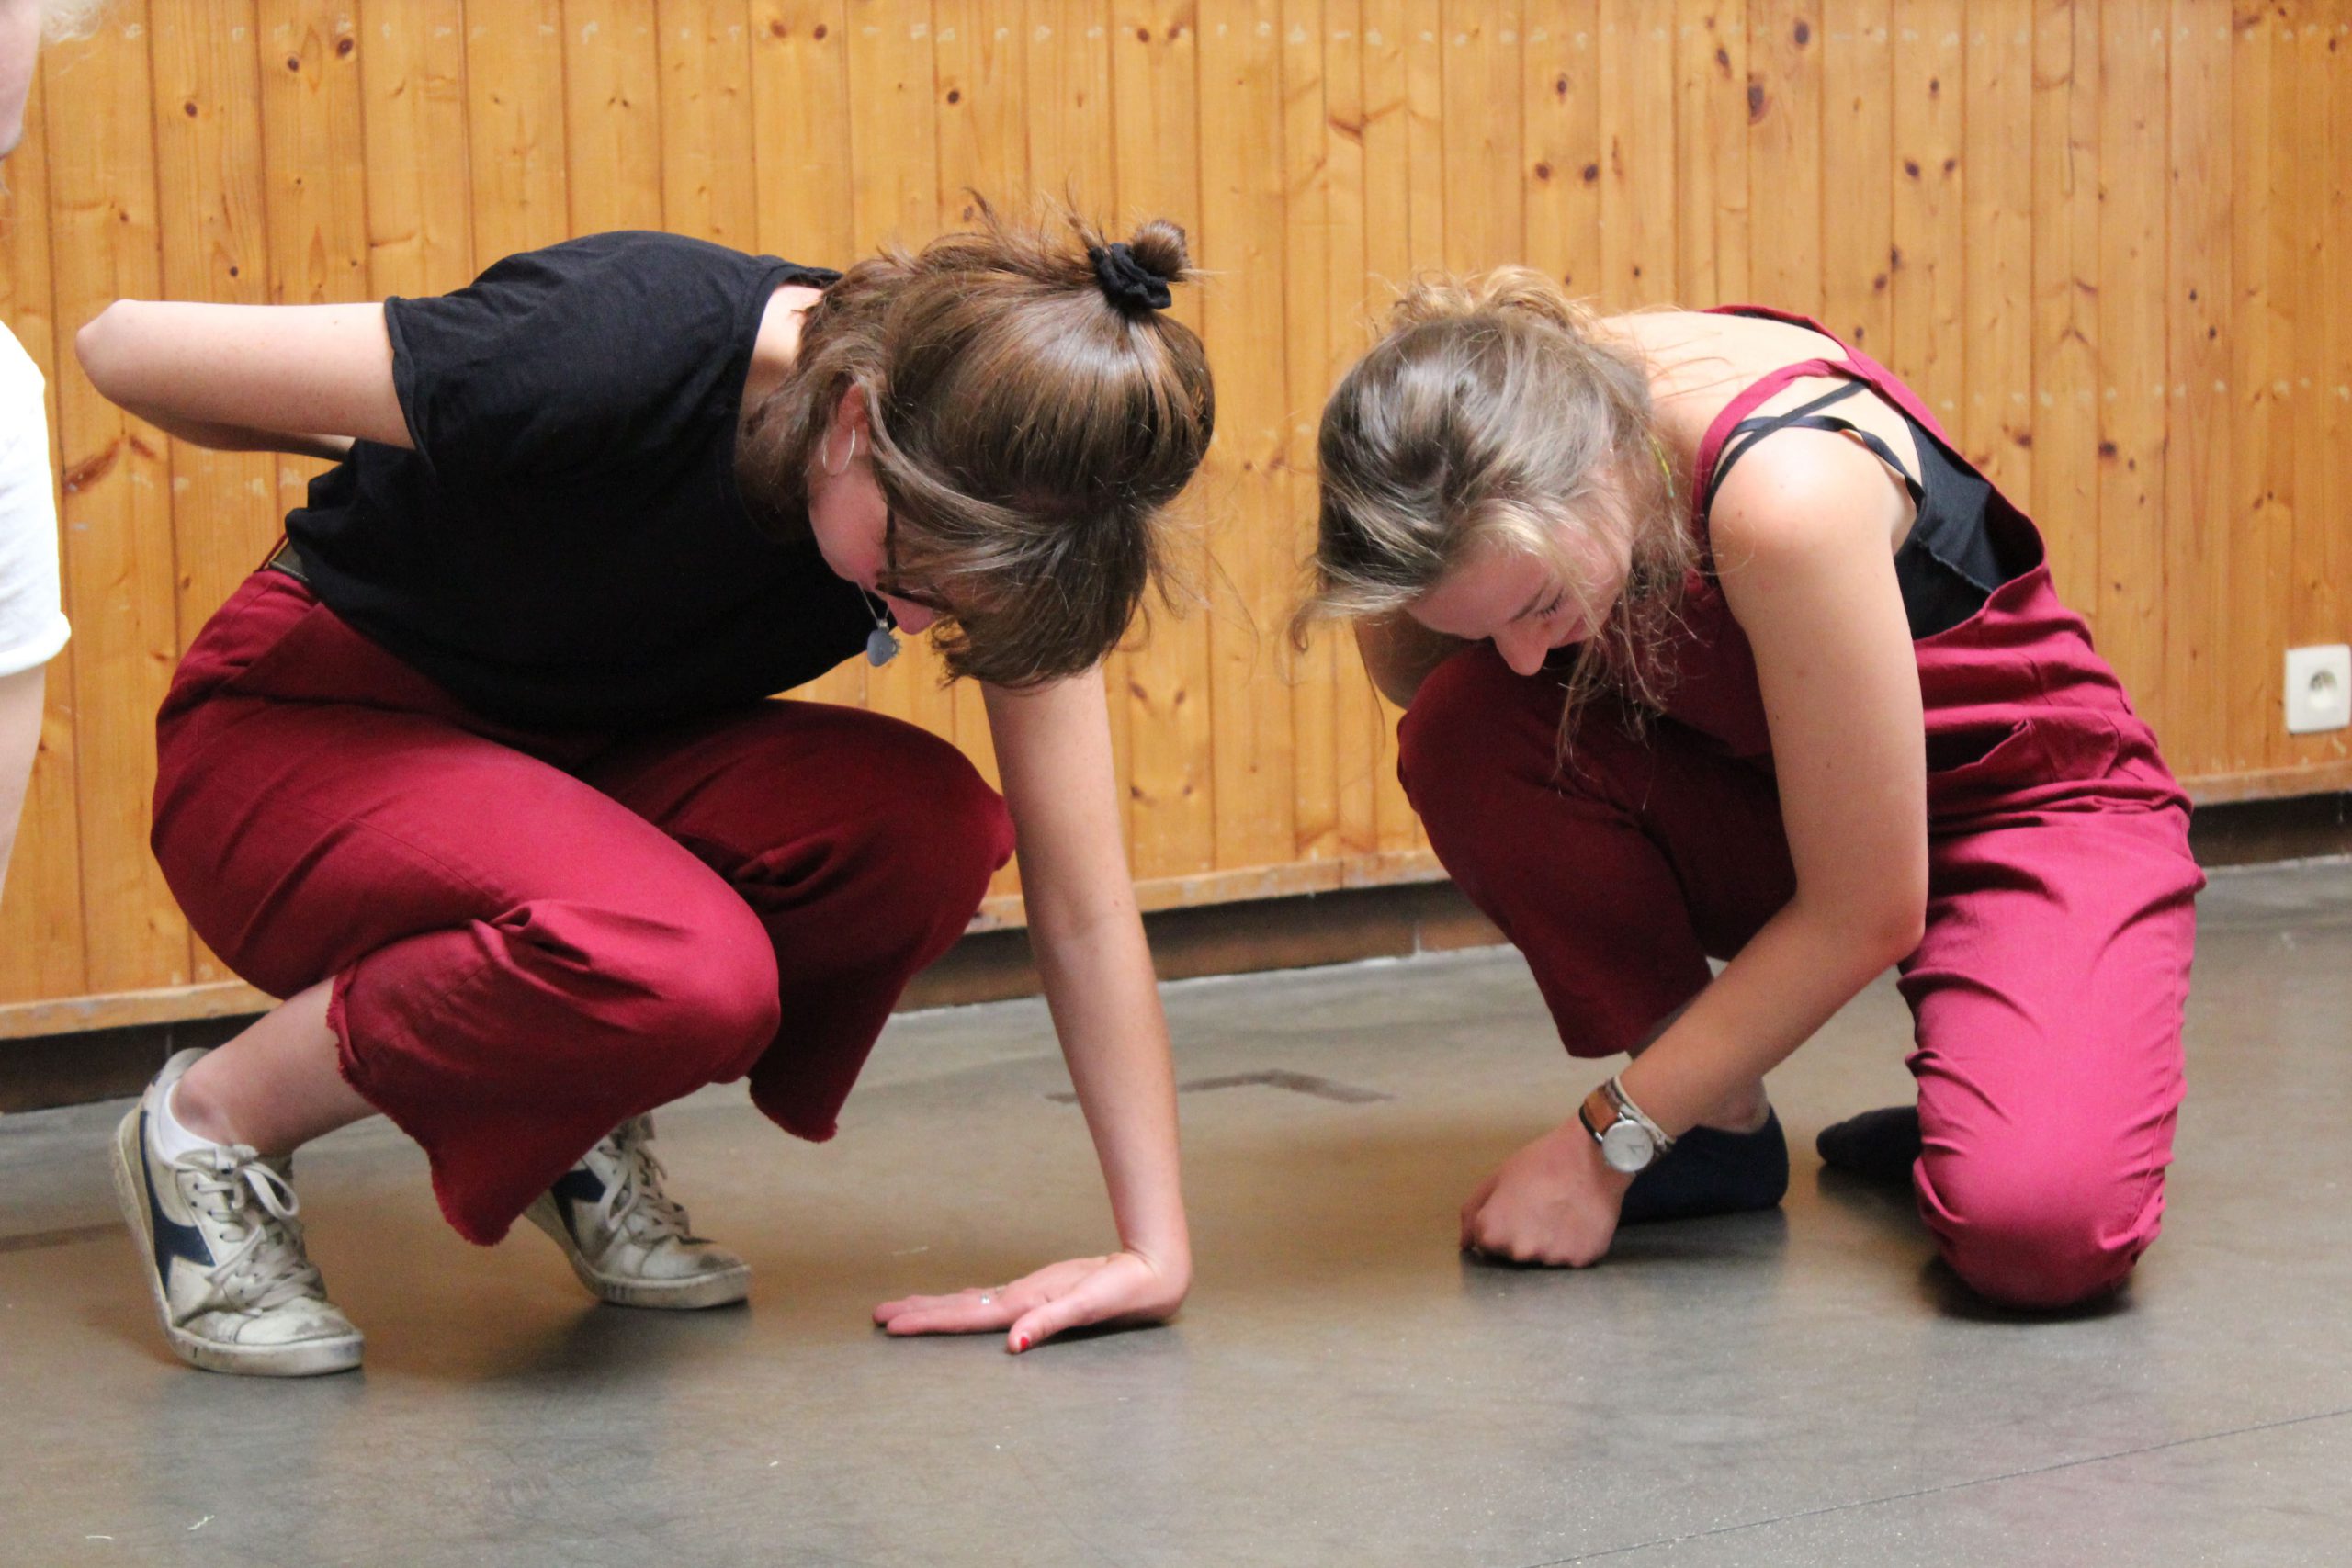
1629	1141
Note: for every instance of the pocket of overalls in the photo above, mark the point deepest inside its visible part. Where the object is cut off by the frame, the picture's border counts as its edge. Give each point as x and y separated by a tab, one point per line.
248	628
295	646
1976	768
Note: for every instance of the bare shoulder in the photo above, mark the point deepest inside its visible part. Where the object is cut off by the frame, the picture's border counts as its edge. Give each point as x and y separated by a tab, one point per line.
1804	491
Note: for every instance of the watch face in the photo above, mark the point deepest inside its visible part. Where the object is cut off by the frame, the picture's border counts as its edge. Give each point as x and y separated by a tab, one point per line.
1626	1147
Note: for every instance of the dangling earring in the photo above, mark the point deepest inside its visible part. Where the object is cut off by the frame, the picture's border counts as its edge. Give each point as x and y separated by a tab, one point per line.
881	643
825	456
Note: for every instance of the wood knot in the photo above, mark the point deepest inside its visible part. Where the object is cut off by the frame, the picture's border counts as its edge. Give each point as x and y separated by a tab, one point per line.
91	469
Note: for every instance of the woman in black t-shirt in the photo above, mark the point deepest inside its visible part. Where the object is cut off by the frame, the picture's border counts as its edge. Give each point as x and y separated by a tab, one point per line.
481	773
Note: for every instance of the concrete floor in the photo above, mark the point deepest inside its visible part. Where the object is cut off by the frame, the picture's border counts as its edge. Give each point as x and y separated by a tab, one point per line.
1793	1388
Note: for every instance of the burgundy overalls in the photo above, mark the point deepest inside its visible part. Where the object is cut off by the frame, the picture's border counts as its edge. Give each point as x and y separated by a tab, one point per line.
2047	992
536	935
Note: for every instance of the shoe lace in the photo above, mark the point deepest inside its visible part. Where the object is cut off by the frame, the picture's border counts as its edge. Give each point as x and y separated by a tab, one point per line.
634	1203
250	1204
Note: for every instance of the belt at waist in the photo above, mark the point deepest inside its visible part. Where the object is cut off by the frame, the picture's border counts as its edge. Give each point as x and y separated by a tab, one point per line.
288	559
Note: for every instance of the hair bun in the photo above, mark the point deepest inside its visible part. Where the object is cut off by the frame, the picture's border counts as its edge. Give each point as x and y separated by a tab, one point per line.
1128	280
1160	245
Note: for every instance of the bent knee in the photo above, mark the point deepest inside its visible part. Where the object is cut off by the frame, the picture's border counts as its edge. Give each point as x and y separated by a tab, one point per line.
720	1017
927	820
1473	723
690	993
2038	1232
1447	722
955	828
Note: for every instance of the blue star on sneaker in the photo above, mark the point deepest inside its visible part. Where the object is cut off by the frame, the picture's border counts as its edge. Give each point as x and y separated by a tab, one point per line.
172	1239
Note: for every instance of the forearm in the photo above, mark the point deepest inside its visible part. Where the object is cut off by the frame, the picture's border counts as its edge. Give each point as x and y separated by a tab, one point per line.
1791	977
1105	1004
240	438
20	716
248	377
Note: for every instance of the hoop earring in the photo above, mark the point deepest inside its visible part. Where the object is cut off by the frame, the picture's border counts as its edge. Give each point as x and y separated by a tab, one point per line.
824	456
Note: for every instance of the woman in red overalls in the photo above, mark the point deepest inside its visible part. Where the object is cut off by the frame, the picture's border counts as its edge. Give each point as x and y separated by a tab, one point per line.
1711	646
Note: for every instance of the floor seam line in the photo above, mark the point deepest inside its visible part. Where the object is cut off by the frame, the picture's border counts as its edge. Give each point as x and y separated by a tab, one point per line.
1951	1487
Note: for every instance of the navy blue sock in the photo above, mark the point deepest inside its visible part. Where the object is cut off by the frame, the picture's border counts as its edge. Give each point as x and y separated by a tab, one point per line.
1712	1172
1878	1145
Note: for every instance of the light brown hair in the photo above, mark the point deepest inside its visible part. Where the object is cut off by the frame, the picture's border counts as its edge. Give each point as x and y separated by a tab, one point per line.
1029	430
1492	408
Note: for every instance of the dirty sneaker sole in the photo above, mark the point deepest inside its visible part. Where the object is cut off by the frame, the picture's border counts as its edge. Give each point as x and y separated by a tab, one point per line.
306	1359
723	1288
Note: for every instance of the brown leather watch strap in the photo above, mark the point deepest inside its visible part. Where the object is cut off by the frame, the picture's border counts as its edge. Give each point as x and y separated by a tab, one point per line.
1597	1112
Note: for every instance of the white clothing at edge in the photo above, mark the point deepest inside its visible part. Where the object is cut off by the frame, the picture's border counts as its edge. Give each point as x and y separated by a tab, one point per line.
32	617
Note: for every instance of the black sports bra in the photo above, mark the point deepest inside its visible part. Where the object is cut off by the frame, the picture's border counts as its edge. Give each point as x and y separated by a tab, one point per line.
1948	566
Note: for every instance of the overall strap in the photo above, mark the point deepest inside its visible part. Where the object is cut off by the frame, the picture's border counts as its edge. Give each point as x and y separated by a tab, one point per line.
1749	432
1856	367
1743	403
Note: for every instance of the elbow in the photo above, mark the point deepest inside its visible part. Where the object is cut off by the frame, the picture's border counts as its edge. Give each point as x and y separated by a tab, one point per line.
1892	934
107	346
1871	933
98	346
1061	925
1904	932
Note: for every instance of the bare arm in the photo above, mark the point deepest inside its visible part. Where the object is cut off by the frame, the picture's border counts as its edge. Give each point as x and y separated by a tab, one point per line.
1801	536
1053	746
1399	652
305	378
20	714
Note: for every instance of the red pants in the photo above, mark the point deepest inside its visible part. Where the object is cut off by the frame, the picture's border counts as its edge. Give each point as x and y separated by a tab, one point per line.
2046	993
2048	990
535	936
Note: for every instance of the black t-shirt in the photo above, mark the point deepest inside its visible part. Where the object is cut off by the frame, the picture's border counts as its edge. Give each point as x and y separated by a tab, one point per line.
566	547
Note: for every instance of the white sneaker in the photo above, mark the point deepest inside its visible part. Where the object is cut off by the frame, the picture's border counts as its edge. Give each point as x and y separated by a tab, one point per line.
628	1243
222	1252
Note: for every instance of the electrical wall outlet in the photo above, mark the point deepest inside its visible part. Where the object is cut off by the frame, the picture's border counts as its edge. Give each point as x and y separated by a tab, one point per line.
2319	688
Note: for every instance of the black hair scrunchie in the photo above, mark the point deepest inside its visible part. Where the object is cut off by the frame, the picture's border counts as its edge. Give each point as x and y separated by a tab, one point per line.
1130	284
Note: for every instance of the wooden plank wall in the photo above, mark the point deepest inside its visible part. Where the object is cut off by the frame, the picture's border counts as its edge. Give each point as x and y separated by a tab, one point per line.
2107	239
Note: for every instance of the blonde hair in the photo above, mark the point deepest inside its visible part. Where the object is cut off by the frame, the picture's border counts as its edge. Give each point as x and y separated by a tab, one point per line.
1491	410
1029	428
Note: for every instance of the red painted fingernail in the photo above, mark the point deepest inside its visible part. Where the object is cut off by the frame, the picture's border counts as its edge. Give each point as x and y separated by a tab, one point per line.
1021	1343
